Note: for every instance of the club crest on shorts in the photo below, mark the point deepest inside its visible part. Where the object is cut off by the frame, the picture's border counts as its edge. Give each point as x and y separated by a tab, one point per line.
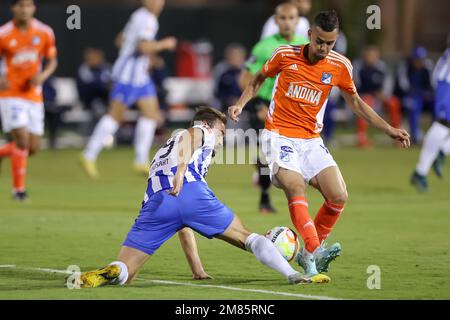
284	156
326	78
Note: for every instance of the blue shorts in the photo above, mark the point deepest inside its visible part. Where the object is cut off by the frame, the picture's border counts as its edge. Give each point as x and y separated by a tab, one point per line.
129	95
163	215
442	104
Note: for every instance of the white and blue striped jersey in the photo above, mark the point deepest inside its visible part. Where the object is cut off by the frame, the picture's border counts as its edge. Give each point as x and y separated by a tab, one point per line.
131	68
442	70
165	162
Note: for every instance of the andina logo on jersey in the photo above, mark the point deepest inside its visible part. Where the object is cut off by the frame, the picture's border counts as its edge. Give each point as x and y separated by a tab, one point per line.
26	56
305	92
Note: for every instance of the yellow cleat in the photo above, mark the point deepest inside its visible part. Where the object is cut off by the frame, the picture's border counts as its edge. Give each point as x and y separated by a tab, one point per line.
90	167
320	278
100	277
141	169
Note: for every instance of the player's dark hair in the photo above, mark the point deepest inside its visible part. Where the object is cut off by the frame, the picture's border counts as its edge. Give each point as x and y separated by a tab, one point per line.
209	115
328	21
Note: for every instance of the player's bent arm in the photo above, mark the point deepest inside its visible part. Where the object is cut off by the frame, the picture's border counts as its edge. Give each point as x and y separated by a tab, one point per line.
249	93
189	245
148	47
49	69
362	109
189	141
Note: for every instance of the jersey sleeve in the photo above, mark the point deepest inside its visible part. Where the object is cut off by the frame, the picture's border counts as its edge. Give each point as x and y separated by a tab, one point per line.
50	51
209	138
273	66
255	62
346	82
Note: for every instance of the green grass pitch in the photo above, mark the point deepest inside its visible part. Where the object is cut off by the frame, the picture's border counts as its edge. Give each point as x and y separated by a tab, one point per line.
71	220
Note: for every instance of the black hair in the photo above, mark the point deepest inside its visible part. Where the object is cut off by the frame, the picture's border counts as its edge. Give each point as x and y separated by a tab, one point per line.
328	21
209	115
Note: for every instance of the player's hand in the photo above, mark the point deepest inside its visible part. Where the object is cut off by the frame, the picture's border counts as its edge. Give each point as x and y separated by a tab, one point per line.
400	135
37	80
201	276
177	184
3	83
234	112
169	43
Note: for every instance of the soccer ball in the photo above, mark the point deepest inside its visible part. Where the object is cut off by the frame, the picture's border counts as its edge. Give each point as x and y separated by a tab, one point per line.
285	240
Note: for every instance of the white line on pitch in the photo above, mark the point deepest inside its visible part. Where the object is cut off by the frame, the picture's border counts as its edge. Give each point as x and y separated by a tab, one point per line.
277	293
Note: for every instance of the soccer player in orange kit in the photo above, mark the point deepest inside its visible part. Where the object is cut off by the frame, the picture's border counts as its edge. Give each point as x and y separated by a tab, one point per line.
291	139
24	43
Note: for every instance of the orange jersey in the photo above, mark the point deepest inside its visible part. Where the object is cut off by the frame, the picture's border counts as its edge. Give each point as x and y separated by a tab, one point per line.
301	90
22	53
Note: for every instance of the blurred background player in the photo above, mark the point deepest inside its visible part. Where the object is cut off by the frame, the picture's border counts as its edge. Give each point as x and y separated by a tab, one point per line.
226	76
25	43
436	143
291	140
132	85
375	85
415	89
178	196
271	27
286	19
94	83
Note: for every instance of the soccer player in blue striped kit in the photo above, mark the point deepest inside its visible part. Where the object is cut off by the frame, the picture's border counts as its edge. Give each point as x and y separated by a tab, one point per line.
178	196
436	144
132	85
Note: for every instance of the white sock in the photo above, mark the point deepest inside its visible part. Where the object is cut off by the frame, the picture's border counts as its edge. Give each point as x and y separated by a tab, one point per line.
267	254
145	132
123	277
105	127
432	143
446	147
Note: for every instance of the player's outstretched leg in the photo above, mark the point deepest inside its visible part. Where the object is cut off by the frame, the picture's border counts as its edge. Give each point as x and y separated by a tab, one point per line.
119	272
266	253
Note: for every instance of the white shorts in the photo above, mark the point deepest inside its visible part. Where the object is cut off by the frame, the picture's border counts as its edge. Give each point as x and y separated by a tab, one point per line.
308	157
21	113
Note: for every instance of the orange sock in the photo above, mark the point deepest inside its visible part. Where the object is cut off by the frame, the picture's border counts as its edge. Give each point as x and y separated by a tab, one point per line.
6	150
326	218
19	159
298	207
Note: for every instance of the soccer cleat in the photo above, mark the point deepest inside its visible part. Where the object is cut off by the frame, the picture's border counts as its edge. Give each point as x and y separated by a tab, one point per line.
100	277
420	182
306	261
142	169
20	196
299	278
438	164
320	278
90	167
324	256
